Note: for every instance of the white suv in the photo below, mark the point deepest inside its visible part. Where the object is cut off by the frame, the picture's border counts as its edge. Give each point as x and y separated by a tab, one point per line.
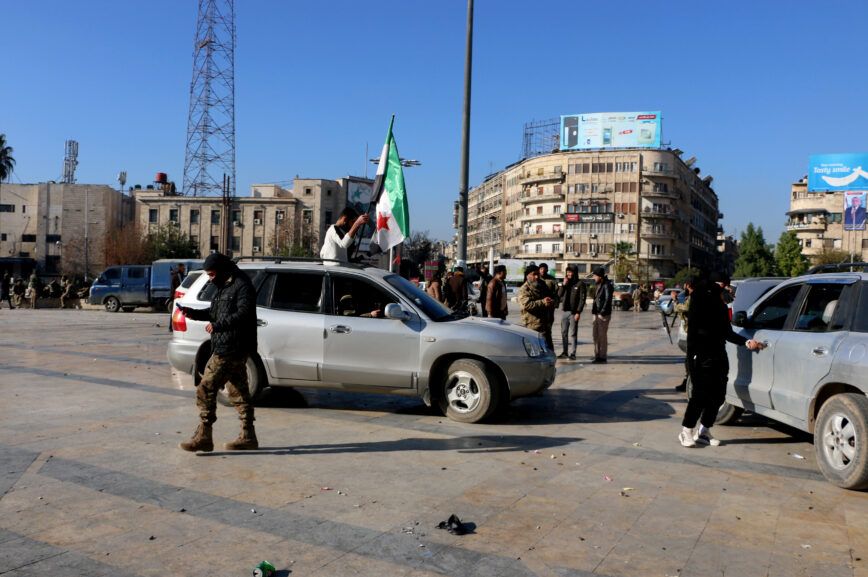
363	329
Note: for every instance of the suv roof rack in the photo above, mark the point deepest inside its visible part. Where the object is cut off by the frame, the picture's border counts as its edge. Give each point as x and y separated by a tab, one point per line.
839	267
307	259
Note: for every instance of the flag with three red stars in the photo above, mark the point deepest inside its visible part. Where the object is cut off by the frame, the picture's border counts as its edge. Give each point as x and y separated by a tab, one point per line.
393	213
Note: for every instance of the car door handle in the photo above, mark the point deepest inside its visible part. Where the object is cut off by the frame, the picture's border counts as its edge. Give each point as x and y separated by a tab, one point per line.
340	329
261	323
820	351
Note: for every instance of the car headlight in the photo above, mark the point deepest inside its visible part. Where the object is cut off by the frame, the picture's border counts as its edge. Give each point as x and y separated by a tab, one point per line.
535	348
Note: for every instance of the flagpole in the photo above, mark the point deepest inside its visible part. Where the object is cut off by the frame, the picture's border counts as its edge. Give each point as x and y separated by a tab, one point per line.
391	258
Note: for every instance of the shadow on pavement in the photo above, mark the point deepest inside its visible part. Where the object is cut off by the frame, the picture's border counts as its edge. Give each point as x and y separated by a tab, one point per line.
471	444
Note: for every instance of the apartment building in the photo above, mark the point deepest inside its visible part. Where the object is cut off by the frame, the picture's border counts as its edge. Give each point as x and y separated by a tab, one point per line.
63	227
272	220
817	219
575	207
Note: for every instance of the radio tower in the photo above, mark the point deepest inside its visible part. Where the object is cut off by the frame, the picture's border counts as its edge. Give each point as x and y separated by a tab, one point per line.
209	159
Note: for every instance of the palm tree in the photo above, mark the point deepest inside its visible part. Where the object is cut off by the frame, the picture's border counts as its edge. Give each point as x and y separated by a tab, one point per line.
7	163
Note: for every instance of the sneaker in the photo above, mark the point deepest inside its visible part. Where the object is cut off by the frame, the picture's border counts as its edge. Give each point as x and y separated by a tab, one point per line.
599	361
572	357
682	388
562	356
686	438
704	436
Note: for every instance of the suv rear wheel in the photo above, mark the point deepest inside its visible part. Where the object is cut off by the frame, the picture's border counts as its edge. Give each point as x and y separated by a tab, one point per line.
841	440
256	379
470	392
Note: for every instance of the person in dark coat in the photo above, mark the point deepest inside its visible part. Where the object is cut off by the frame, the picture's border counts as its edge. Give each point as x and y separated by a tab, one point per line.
709	331
232	326
496	301
6	289
602	311
455	289
572	293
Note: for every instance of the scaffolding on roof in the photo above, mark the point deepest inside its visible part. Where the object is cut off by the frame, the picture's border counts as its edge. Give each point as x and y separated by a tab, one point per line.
540	137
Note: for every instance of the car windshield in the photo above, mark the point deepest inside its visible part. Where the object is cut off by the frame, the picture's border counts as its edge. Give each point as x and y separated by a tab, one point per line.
622	287
434	310
191	278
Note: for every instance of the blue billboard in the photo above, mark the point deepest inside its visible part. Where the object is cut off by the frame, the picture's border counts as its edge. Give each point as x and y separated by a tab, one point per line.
611	130
831	172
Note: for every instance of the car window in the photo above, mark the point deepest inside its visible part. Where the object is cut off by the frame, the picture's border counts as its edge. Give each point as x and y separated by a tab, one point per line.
191	278
296	291
819	308
772	314
135	273
356	297
209	289
860	320
433	309
112	274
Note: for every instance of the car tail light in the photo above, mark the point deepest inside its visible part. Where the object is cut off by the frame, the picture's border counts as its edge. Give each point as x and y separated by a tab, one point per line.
179	320
730	314
178	294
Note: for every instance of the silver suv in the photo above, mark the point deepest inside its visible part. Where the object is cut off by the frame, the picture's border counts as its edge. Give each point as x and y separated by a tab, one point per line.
814	374
367	330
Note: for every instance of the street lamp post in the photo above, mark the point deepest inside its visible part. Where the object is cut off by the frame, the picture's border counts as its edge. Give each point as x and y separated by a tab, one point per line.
465	140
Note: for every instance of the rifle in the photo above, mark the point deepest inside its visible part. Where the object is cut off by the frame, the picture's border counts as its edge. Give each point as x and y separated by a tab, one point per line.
666	326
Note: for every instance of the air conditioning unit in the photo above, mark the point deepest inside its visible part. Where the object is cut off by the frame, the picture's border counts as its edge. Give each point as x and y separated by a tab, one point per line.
173	222
236	223
569	236
279	216
257	249
593	254
620	215
593	236
577	254
821	235
257	221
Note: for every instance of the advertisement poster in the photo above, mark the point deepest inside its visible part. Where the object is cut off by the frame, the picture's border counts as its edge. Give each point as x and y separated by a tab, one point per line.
611	130
834	172
854	210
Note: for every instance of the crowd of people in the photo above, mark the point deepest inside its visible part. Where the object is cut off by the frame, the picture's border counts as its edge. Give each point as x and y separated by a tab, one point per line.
18	293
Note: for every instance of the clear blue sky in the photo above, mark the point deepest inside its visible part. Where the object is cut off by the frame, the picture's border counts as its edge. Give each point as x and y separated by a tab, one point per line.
750	88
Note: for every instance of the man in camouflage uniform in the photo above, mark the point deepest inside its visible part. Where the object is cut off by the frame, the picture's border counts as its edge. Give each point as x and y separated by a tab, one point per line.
34	286
232	326
536	305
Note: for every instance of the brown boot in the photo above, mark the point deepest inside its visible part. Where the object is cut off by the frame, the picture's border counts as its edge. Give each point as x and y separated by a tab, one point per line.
201	440
246	441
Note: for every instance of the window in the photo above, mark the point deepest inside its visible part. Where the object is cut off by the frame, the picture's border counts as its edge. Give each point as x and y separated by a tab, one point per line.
194	216
539	210
557	189
540	191
136	272
236	216
307	216
236	243
257	243
215	243
657	249
557	209
23	208
328	217
353	297
860	320
308	191
819	308
279	215
556	247
215	217
52	238
257	215
173	214
772	314
582	267
3	236
194	238
153	215
294	291
112	274
28	238
8	208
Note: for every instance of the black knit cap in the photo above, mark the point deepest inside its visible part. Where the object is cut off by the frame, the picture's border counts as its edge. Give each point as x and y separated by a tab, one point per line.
217	262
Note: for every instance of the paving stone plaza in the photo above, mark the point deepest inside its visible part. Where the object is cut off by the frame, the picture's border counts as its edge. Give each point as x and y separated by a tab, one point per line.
587	479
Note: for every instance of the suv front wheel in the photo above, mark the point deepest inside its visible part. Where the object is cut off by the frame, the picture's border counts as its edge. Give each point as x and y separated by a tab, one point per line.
470	392
841	440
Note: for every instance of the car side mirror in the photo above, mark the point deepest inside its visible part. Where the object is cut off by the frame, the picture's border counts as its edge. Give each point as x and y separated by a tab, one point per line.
740	319
395	311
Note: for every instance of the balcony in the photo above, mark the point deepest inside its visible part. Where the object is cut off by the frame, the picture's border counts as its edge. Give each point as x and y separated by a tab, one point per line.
811	225
649	232
651	193
668	173
539	255
547	177
549	197
543	216
662	256
542	235
650	213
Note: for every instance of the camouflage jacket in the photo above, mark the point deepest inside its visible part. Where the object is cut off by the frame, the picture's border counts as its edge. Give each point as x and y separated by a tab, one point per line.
535	315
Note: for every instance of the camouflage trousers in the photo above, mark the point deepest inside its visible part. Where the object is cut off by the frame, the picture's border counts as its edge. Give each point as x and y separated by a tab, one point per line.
229	371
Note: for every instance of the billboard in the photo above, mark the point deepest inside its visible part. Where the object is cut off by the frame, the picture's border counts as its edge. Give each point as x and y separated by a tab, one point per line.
611	130
589	217
833	172
515	267
854	210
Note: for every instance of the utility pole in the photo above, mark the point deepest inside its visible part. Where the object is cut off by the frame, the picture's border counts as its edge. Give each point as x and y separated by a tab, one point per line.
465	141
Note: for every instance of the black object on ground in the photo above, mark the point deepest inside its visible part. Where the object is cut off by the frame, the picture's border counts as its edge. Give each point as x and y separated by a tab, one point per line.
455	526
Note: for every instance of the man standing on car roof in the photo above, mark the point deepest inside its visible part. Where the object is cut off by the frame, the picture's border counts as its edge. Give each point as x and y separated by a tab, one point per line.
232	326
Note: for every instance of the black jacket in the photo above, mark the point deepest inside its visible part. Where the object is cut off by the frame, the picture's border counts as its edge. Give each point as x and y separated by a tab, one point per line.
708	319
232	316
603	298
573	296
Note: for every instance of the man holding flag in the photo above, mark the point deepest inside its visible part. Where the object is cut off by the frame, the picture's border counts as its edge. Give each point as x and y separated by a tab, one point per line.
392	223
